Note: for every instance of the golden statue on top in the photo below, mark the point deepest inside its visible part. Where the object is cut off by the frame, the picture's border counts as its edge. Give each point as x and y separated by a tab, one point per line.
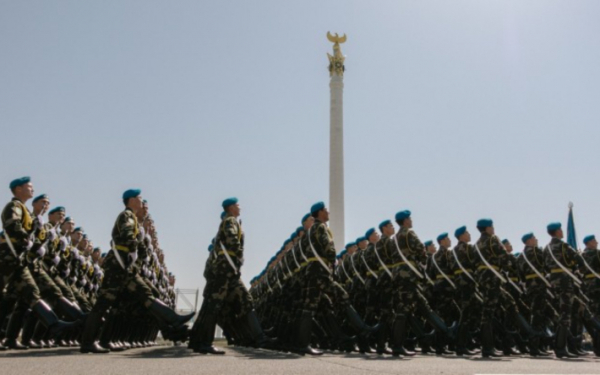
336	62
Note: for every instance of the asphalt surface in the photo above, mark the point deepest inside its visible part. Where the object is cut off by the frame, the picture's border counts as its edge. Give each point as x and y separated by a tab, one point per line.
178	360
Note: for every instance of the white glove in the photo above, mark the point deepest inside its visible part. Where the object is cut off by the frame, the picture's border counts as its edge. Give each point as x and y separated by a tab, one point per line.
41	251
133	257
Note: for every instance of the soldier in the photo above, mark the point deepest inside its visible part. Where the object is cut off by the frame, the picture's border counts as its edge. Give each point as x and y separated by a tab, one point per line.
383	255
20	237
409	253
223	284
591	284
119	277
533	270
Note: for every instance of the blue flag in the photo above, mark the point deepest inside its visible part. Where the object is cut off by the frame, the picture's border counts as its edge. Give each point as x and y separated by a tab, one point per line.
571	235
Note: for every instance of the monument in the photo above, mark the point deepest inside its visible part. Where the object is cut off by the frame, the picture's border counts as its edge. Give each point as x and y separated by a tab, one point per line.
336	139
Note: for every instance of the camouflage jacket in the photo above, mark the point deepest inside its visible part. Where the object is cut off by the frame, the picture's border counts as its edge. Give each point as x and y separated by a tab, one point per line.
563	253
442	258
18	225
230	238
512	268
412	248
369	261
125	232
535	256
385	255
592	257
466	256
321	239
492	250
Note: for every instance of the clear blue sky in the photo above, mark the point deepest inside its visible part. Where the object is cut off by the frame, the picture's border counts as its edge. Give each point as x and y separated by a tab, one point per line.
455	110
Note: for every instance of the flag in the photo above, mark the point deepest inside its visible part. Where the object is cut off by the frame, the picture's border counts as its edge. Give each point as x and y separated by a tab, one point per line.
571	235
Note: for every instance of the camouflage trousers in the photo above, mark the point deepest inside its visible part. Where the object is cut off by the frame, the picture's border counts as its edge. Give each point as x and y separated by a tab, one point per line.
591	288
321	289
48	289
118	282
81	299
18	277
230	292
408	298
493	296
565	292
385	294
443	301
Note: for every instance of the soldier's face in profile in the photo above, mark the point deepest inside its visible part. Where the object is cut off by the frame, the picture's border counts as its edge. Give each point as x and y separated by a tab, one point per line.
560	234
24	192
593	244
41	206
446	242
235	210
325	214
490	230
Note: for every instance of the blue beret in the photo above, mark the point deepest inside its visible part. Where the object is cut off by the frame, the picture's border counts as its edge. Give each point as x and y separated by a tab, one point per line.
68	219
350	244
402	215
286	242
553	226
229	202
57	209
210	247
305	217
460	231
484	223
272	259
317	207
19	181
526	237
298	230
293	236
505	241
428	243
96	249
369	233
384	223
442	236
588	238
78	229
341	254
131	193
42	196
360	239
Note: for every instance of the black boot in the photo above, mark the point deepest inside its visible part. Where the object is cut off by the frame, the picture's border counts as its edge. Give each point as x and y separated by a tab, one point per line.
357	323
399	336
424	338
203	332
487	342
383	335
164	313
258	336
14	328
50	320
461	340
560	348
28	331
90	331
304	335
108	333
69	309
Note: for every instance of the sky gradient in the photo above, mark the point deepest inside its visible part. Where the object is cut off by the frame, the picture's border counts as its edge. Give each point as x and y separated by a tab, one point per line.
454	110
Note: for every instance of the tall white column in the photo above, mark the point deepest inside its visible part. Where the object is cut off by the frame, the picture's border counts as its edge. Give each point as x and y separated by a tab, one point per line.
336	141
336	160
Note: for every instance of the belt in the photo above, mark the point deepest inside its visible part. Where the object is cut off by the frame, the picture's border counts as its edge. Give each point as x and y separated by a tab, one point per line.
370	273
531	276
484	267
440	276
458	272
3	240
315	259
122	248
514	279
590	276
231	253
391	266
348	281
557	270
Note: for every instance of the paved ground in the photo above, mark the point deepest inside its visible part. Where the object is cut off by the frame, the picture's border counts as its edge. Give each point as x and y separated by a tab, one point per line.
177	360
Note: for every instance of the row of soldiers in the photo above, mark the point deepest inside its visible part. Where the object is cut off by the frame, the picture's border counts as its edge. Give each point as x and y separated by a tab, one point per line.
390	293
58	289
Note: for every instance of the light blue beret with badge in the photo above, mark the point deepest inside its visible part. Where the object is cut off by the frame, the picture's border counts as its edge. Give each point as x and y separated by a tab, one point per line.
484	223
360	239
317	207
428	243
57	209
384	223
350	244
526	237
131	193
19	181
42	196
293	236
441	237
402	215
229	202
589	238
299	229
554	226
305	217
369	233
460	231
